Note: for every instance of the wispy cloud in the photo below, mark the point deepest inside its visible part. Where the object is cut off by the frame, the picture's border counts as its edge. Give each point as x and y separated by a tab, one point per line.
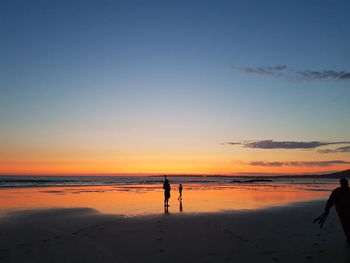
297	163
276	71
326	74
271	144
344	149
283	71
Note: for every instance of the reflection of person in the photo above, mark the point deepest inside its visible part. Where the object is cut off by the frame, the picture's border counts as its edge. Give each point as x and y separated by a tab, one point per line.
180	207
341	198
166	209
180	192
166	187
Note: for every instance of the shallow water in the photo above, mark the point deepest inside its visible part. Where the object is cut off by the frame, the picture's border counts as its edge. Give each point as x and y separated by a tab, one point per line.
141	199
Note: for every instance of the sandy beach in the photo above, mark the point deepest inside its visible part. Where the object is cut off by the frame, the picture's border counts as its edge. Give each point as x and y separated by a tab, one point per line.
280	234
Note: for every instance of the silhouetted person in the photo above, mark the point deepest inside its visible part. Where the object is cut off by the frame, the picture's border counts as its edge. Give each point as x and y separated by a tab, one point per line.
180	192
166	187
341	198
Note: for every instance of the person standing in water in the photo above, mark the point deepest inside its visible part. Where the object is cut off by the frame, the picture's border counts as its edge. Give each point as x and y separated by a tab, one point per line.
180	192
166	187
341	198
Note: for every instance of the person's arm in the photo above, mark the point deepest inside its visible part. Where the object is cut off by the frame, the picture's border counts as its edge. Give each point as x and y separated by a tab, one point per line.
330	202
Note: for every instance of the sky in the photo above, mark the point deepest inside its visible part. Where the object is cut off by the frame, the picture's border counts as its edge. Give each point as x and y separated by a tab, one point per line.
174	87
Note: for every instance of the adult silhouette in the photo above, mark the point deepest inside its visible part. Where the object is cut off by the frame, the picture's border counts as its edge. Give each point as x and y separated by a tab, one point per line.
166	187
341	198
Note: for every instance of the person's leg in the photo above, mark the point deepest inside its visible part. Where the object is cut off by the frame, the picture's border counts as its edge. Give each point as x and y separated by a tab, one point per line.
345	222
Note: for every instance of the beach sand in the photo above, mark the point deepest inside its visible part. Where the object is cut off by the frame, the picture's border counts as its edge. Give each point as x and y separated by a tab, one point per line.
282	234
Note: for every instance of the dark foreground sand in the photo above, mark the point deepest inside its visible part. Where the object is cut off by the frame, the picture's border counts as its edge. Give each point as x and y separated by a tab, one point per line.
284	234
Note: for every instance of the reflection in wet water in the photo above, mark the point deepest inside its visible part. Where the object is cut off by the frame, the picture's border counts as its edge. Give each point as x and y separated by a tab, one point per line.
148	199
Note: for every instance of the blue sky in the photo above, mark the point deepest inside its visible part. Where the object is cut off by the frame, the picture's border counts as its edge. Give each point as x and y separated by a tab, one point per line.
138	70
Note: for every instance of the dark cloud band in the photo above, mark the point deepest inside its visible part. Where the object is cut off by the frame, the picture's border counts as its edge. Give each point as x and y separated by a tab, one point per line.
297	163
271	144
344	149
283	71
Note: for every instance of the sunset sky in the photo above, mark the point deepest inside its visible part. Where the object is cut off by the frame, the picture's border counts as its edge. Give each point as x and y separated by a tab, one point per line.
174	87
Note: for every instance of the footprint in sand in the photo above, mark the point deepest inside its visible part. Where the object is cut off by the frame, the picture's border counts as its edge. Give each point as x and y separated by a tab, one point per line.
24	244
4	254
228	231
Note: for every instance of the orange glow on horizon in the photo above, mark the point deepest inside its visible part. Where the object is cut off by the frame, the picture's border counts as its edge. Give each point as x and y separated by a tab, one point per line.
149	168
91	154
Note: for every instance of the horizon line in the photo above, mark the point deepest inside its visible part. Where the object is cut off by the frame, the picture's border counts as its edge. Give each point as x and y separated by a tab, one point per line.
173	174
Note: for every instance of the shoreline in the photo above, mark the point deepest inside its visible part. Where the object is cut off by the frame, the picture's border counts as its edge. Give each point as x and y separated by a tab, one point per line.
277	234
148	199
21	181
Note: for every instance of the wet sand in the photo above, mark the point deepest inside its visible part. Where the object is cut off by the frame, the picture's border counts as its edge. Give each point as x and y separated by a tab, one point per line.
282	234
146	199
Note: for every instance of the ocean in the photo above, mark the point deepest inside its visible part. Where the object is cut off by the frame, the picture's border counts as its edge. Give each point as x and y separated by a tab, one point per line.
52	181
143	195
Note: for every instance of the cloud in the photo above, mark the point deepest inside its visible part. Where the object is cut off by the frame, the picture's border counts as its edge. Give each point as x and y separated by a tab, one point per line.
326	74
271	144
275	71
278	67
231	143
282	71
344	149
297	163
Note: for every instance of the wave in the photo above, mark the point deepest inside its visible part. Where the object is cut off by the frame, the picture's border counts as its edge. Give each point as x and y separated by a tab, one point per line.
49	181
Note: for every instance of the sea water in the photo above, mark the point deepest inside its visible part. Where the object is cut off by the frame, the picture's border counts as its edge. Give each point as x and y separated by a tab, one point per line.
141	195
